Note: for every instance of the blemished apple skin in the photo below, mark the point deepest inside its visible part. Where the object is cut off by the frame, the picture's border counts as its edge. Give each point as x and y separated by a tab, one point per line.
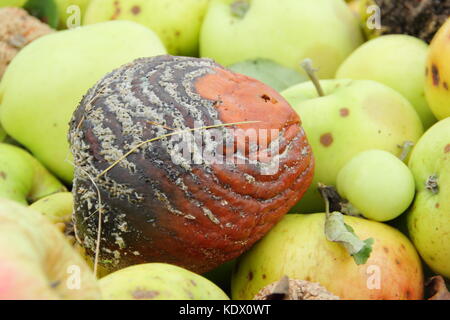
287	32
36	262
158	281
429	217
353	116
177	23
297	247
437	85
397	61
70	62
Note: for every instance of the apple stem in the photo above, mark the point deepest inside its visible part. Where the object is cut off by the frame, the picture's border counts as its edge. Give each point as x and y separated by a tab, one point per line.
406	149
307	65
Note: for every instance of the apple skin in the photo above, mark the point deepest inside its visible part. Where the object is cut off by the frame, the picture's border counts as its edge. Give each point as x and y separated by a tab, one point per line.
437	84
428	219
57	207
35	259
353	116
158	281
12	3
62	10
23	178
70	62
374	175
297	247
286	32
177	23
388	59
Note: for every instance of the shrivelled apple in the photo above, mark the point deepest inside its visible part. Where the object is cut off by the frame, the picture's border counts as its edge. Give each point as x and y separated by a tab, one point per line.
351	117
23	178
287	32
297	247
177	23
158	281
397	61
36	262
437	85
428	220
47	79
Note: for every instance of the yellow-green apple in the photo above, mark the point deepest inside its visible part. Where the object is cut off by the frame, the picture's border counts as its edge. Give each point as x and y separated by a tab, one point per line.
177	23
23	178
429	217
68	8
397	61
37	99
36	262
351	117
297	247
437	84
377	184
285	31
56	207
12	3
158	281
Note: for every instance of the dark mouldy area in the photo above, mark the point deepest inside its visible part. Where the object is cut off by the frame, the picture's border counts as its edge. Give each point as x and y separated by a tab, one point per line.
155	204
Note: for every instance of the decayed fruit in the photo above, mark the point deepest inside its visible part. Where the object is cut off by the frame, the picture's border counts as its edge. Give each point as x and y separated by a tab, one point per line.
36	262
70	62
377	184
158	281
161	205
297	247
418	18
23	178
17	29
437	84
388	59
428	220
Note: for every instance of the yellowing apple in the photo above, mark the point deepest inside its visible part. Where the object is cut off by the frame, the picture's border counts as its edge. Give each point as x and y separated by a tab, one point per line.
286	32
47	79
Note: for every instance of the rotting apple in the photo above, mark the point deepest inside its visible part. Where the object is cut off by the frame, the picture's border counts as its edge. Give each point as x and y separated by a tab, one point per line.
70	62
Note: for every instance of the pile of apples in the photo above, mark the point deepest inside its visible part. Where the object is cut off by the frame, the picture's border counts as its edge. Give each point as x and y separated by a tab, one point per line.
376	113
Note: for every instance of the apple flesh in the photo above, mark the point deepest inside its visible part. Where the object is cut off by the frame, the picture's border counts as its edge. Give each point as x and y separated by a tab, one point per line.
324	30
397	61
437	85
177	23
297	247
158	281
37	99
353	116
429	217
36	262
378	184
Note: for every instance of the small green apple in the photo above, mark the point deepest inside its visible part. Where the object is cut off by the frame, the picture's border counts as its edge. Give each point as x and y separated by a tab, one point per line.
47	79
158	281
378	184
23	178
286	32
352	116
429	217
297	247
56	207
177	23
437	85
36	261
397	61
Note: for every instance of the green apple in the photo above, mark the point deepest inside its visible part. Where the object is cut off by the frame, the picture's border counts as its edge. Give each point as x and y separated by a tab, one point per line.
36	262
397	61
158	281
297	247
286	32
437	84
66	11
12	3
352	116
46	80
23	178
177	23
429	218
378	184
56	207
